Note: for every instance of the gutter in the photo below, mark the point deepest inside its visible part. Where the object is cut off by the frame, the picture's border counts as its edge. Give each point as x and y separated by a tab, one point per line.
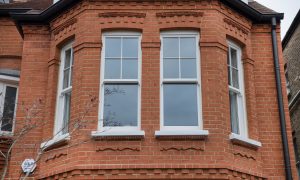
287	163
53	11
6	12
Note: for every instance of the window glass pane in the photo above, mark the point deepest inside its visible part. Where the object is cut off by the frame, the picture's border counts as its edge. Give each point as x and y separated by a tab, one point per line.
120	105
113	47
71	75
233	57
171	68
67	58
112	69
9	108
170	47
130	69
130	47
180	105
235	78
66	117
188	68
188	47
66	78
234	113
228	59
229	76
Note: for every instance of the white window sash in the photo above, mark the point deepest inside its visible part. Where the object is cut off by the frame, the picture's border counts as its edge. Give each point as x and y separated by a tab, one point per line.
197	81
60	100
104	81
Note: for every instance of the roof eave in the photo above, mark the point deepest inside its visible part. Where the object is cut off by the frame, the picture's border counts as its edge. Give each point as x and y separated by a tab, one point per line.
6	12
252	13
45	16
53	11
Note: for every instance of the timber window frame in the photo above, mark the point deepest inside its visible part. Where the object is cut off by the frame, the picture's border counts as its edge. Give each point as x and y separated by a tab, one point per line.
238	113
121	50
180	71
64	91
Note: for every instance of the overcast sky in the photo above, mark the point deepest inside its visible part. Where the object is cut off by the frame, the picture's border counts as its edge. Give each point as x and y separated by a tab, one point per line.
288	7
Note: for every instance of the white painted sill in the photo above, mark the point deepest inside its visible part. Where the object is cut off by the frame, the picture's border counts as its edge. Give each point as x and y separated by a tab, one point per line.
6	134
183	134
130	134
55	141
238	139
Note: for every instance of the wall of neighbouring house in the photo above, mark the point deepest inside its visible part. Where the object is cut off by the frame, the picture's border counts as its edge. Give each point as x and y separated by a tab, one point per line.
291	55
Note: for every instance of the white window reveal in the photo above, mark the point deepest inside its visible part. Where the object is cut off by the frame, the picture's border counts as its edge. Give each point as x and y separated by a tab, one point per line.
120	85
238	113
64	91
180	84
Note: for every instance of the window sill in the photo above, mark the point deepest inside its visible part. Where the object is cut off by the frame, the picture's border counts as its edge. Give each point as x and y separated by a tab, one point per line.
6	134
239	140
186	134
55	142
118	135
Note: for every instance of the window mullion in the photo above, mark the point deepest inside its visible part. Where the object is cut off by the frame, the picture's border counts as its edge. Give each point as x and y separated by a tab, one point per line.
179	59
121	66
70	73
230	67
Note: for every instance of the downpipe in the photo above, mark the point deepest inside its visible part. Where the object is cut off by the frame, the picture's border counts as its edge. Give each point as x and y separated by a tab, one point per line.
286	154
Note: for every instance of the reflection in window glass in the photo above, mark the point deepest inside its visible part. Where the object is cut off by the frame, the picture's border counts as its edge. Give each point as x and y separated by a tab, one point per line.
120	105
179	57
180	105
171	47
66	116
171	68
130	47
113	47
188	47
121	58
112	68
188	68
130	69
234	112
8	108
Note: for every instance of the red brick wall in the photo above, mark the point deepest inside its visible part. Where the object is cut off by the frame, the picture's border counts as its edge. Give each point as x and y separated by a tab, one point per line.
214	158
10	56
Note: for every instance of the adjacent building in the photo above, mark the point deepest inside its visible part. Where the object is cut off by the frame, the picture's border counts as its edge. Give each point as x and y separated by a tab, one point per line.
184	89
291	54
